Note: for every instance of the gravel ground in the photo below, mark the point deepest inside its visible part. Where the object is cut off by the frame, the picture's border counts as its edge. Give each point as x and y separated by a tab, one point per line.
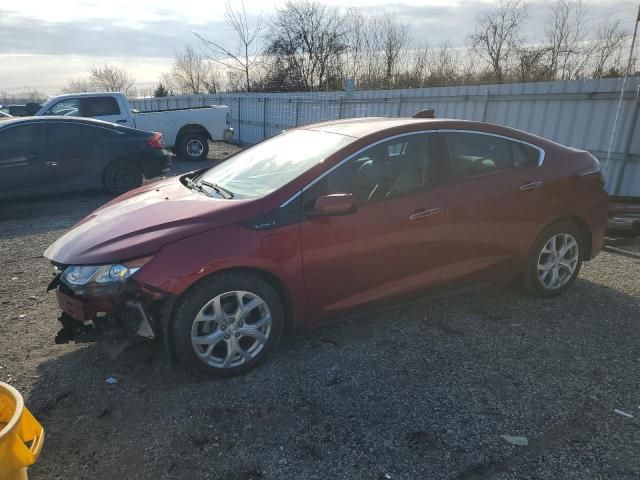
416	393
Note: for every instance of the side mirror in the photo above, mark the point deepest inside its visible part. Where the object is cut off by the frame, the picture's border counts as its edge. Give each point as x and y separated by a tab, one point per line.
335	204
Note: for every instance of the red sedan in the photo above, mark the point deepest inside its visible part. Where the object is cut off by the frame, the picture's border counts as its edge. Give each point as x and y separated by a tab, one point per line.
324	221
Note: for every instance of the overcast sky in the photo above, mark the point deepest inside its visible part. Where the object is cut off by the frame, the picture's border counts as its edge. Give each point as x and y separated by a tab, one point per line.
43	44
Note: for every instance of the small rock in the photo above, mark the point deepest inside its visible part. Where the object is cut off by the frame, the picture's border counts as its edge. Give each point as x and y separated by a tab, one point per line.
516	440
111	381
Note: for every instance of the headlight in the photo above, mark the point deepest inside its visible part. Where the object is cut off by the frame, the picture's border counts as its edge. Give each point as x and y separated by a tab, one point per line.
77	277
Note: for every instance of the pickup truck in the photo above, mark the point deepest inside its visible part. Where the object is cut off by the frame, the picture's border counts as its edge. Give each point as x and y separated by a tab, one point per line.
186	132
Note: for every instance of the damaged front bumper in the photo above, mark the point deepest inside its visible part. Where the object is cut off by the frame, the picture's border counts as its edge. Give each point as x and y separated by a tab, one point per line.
133	311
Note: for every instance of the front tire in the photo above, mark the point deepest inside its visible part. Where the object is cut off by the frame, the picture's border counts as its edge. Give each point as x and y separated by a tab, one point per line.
193	147
121	176
227	325
554	261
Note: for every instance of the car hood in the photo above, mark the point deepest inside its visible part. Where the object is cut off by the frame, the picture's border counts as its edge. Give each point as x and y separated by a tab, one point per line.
142	221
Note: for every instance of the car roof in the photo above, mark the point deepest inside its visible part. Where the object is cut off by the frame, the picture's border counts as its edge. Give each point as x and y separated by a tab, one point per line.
370	126
59	118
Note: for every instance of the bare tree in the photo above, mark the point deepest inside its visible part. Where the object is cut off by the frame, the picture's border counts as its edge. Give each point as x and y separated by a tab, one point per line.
394	43
247	56
607	51
565	37
191	73
306	39
112	79
79	85
107	78
355	39
532	64
498	34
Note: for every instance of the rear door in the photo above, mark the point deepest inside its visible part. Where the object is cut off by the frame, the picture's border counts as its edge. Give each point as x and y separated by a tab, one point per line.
495	204
389	247
76	154
104	108
21	159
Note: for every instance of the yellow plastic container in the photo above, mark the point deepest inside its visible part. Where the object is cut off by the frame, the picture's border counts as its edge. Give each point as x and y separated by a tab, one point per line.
21	436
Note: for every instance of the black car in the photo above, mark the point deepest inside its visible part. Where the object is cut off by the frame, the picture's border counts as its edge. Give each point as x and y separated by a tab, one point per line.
40	155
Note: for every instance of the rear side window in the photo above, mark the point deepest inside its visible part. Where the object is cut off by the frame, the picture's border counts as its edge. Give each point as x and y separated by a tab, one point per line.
524	155
99	106
22	137
72	134
474	155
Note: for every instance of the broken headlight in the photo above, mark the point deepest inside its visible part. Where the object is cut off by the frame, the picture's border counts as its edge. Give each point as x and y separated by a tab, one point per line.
100	279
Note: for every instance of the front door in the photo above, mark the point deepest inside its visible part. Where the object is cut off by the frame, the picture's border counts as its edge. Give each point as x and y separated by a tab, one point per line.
21	159
386	249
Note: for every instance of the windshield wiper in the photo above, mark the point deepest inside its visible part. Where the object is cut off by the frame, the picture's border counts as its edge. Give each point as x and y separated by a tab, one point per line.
195	186
220	190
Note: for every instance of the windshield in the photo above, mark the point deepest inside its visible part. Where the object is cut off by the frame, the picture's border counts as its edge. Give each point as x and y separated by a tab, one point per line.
264	168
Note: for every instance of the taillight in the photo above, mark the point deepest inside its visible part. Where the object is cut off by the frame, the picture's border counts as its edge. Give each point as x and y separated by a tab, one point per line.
156	141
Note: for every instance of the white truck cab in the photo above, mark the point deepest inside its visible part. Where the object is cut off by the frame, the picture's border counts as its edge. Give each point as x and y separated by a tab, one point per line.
185	131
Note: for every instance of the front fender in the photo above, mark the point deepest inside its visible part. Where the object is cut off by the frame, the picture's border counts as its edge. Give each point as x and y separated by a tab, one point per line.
181	264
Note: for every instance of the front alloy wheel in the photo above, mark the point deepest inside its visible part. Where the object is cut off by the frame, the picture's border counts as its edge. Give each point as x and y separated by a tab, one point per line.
231	329
226	324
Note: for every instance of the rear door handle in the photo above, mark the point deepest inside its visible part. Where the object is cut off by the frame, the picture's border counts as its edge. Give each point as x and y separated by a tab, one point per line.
424	213
531	185
121	121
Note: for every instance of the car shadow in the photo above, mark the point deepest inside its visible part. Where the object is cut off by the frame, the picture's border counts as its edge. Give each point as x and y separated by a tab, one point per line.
422	391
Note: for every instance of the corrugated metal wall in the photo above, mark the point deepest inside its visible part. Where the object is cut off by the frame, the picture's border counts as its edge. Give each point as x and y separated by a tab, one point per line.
575	113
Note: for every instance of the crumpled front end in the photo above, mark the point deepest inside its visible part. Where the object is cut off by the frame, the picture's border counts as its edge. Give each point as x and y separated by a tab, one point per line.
105	303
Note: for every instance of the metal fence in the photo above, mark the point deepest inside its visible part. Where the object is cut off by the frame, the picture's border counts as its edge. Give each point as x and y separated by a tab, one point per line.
575	113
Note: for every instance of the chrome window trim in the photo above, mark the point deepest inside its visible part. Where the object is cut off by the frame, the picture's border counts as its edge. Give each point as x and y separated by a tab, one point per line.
542	152
386	139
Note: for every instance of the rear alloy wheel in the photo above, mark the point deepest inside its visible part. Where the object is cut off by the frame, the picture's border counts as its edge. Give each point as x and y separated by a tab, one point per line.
227	325
193	147
121	176
555	260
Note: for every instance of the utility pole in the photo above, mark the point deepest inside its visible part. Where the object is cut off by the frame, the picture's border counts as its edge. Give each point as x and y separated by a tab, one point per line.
627	71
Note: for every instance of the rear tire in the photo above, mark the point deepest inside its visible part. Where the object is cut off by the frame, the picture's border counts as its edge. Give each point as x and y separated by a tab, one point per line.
554	261
194	146
121	176
226	325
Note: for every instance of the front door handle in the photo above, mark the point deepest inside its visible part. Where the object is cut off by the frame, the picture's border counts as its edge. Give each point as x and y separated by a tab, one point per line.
417	215
121	121
531	185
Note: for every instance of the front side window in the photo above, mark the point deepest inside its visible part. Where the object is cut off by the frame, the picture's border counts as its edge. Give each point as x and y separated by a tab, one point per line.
390	169
99	106
475	154
69	108
269	165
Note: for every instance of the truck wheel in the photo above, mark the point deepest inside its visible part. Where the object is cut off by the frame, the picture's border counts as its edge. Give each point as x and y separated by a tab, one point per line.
121	176
193	146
